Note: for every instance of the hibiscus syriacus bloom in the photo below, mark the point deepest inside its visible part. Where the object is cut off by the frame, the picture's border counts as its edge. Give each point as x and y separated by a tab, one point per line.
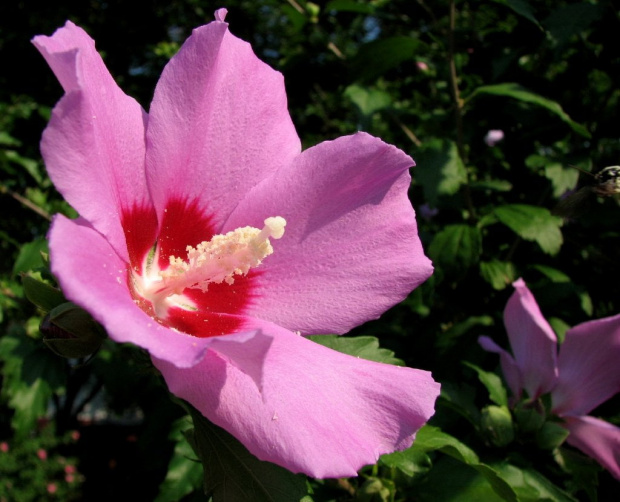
584	374
209	239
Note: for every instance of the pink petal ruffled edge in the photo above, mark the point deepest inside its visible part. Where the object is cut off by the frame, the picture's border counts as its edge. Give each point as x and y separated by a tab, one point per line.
351	239
218	124
94	144
315	411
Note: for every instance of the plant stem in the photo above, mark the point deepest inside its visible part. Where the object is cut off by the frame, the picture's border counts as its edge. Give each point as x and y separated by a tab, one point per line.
458	110
25	202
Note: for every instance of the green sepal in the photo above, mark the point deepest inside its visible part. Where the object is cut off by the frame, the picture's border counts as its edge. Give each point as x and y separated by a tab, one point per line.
551	435
546	402
529	418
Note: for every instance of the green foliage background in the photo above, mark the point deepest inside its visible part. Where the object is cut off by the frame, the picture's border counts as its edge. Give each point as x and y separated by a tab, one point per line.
429	77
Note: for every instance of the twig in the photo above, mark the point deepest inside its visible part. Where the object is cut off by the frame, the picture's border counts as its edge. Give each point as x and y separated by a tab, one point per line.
334	48
297	7
25	202
408	132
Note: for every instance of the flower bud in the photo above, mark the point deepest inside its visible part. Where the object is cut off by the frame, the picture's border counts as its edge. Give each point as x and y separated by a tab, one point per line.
374	490
314	10
70	331
497	426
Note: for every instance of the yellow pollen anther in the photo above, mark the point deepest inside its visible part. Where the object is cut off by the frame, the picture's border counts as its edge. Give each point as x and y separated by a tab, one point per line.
215	261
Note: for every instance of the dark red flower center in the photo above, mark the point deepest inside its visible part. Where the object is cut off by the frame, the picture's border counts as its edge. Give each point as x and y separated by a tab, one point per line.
203	309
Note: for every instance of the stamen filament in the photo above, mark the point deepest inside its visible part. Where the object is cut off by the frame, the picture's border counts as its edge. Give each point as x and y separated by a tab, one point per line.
215	261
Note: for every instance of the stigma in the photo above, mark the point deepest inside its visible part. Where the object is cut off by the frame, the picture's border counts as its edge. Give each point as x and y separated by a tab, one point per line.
215	261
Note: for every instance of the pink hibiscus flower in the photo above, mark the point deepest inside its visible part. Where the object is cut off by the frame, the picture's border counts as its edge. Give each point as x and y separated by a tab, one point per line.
584	374
173	251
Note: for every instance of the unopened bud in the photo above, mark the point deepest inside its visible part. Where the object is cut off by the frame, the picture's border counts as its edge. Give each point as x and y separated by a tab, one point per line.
496	423
71	332
374	490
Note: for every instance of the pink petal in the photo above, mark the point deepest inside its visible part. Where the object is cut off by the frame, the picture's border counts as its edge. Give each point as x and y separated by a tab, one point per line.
351	248
94	144
318	411
220	14
218	124
589	366
93	276
511	371
532	340
597	439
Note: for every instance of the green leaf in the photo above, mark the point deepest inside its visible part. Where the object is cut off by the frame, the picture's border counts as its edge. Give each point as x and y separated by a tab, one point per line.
583	470
452	481
560	328
563	287
493	383
184	470
364	347
586	302
530	486
410	461
553	274
29	257
8	140
43	295
522	8
31	374
515	91
29	403
533	224
430	438
456	247
30	165
233	474
562	178
493	185
460	398
498	274
368	101
297	19
439	169
569	21
377	57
